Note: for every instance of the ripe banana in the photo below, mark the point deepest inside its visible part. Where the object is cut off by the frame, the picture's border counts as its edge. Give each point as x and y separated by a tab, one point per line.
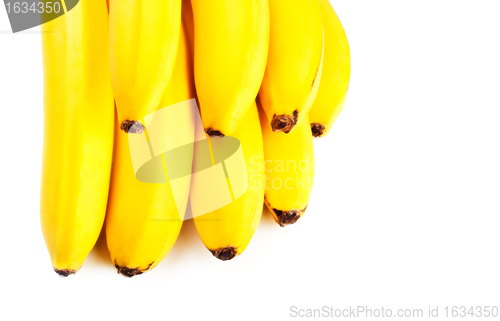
332	90
231	40
294	63
227	231
289	170
78	133
143	219
144	36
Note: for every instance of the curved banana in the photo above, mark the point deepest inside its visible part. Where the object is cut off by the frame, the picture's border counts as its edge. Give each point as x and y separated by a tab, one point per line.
227	231
231	43
289	169
294	63
143	219
144	36
78	133
334	82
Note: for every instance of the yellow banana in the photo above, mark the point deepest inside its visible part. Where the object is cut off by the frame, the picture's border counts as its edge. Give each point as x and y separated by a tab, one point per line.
144	36
78	133
289	169
227	231
256	219
334	82
143	219
231	40
294	63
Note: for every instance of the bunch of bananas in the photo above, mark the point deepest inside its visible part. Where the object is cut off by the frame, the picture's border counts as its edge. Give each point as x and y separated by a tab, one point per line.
271	73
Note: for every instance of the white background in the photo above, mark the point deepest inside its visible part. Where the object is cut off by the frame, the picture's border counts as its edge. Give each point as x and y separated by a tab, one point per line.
405	207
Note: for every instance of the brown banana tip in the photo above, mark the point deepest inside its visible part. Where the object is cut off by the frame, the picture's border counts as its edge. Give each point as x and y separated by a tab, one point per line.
214	133
284	123
127	271
317	129
65	273
285	218
132	127
225	253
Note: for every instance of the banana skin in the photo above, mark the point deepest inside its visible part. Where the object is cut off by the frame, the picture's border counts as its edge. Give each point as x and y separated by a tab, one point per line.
226	232
289	166
144	38
294	63
231	40
143	219
334	83
78	133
